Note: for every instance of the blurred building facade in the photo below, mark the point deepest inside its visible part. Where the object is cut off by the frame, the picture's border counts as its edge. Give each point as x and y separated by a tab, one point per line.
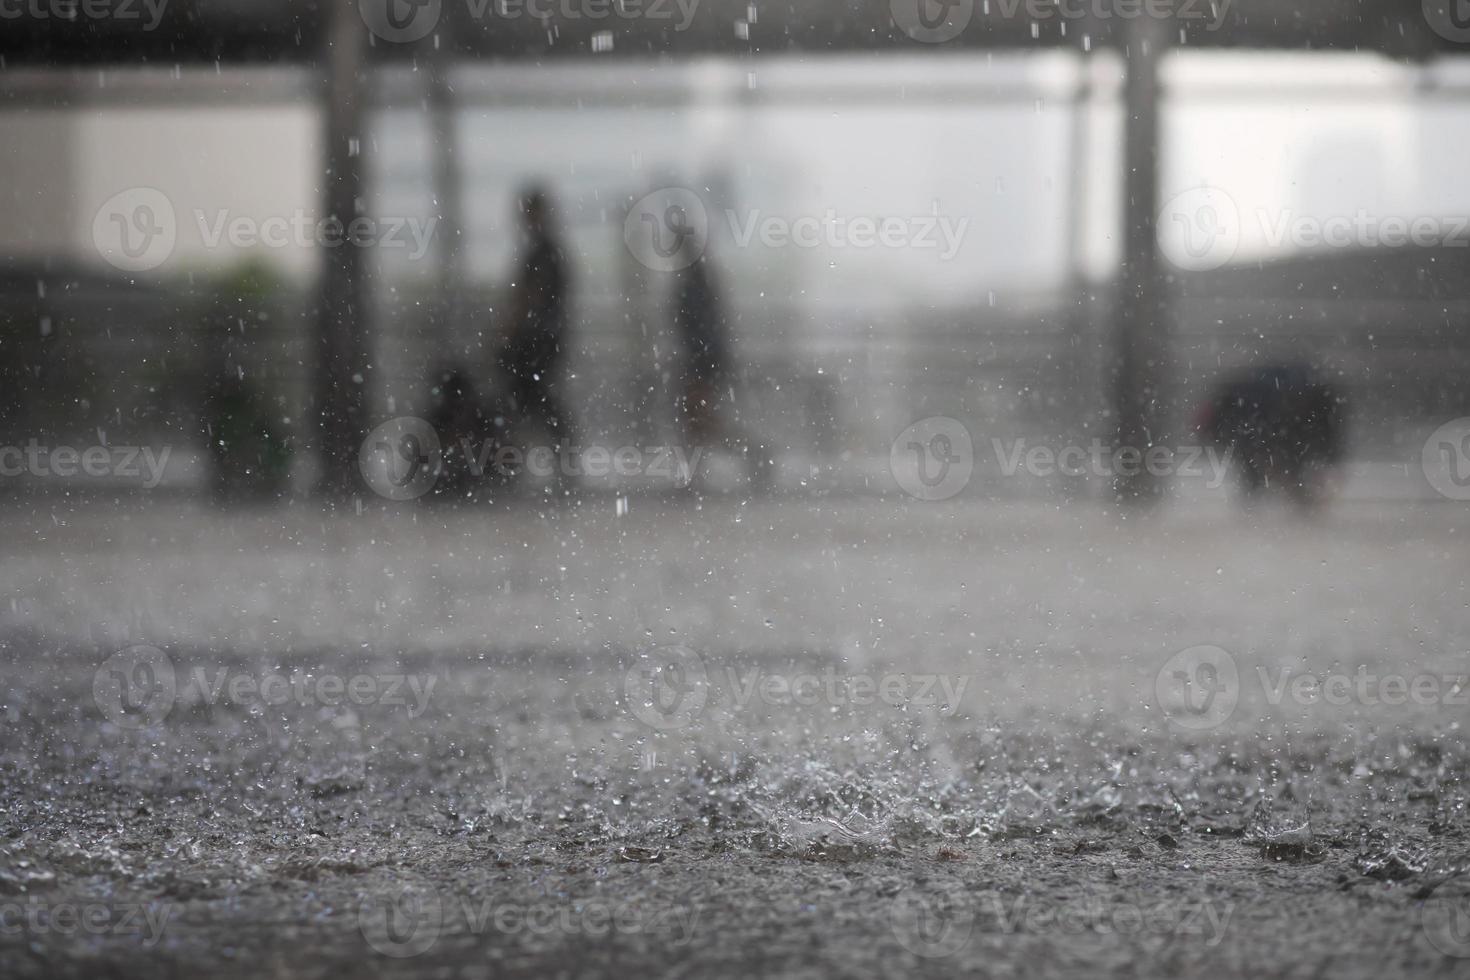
840	347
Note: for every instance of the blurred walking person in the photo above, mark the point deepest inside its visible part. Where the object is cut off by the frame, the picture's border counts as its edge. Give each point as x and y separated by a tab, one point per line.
536	346
706	400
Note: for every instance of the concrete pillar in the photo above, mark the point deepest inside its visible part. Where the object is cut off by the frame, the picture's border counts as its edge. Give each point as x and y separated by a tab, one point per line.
1140	331
343	349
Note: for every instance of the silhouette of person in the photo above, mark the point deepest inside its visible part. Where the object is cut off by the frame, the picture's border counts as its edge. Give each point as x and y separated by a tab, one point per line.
703	405
536	346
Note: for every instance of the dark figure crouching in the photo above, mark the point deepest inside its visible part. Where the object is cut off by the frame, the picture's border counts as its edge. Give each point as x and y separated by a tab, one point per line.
470	436
1282	427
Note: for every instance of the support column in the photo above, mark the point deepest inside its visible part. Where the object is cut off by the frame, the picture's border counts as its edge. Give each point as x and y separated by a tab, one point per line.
343	349
448	198
1140	330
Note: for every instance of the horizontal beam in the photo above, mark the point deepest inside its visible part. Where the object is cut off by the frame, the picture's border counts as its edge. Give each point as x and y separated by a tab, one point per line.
169	32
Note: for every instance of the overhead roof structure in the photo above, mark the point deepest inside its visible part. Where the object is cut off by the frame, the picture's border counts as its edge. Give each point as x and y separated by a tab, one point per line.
294	31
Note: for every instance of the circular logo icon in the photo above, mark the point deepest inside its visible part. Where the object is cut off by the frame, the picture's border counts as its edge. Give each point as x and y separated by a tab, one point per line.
927	929
667	230
1450	19
1198	688
933	459
932	21
135	688
402	924
135	230
401	458
400	21
667	688
1446	923
1199	230
1446	460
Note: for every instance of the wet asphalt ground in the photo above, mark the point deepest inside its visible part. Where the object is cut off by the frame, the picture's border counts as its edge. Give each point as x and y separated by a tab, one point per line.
852	738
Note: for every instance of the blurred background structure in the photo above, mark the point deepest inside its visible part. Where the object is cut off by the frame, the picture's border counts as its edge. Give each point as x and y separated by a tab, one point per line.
1048	144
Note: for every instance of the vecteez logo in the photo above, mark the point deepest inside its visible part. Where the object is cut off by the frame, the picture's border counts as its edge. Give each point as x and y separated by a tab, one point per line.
300	230
147	14
938	21
410	919
1201	688
932	21
401	459
667	230
136	230
936	928
1199	230
933	459
139	687
1102	460
929	928
1198	688
1445	920
35	918
1450	19
1446	460
1203	229
401	21
142	464
407	21
667	688
136	687
402	924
